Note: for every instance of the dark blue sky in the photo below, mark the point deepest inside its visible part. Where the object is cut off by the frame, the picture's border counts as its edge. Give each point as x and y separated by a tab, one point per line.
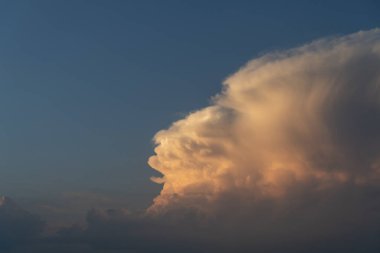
86	84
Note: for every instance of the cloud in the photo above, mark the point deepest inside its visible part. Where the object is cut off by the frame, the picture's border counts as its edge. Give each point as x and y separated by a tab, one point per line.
307	117
70	207
287	155
285	159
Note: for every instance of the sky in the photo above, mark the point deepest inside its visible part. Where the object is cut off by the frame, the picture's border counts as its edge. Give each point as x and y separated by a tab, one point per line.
86	87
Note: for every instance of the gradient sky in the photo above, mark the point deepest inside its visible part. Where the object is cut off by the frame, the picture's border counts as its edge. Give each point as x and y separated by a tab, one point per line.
85	85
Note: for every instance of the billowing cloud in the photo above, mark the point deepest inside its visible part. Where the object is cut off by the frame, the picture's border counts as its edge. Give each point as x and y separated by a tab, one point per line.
305	117
288	151
285	159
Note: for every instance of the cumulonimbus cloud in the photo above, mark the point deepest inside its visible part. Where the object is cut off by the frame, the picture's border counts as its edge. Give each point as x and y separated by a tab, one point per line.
289	149
285	159
307	116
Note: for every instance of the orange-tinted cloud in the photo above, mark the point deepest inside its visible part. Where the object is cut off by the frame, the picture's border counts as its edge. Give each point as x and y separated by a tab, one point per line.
307	117
286	159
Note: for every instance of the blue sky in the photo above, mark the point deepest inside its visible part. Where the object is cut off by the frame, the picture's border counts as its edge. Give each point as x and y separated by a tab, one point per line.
85	85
